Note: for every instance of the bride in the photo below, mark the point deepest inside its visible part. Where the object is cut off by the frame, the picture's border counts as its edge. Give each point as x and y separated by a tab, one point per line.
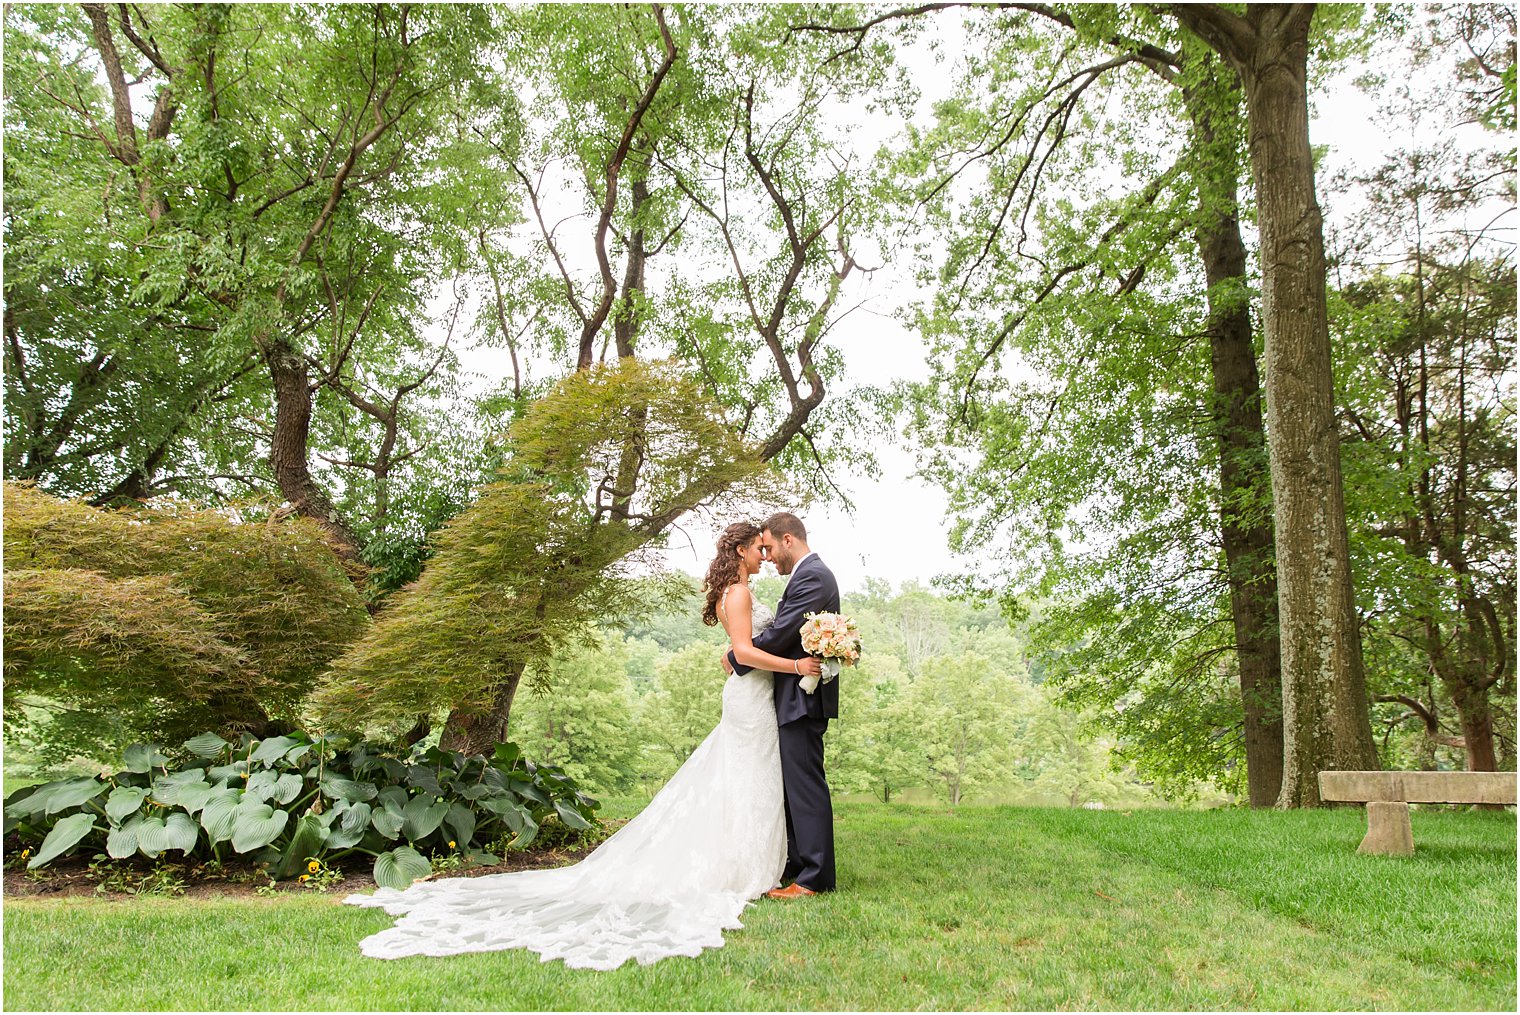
671	880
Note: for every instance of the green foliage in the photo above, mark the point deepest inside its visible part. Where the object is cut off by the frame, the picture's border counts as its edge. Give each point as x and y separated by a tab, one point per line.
303	219
1069	408
733	121
1430	487
144	292
545	551
676	626
964	709
165	880
875	748
968	721
1424	363
640	655
320	877
1160	677
1062	759
295	803
683	707
159	623
103	370
585	724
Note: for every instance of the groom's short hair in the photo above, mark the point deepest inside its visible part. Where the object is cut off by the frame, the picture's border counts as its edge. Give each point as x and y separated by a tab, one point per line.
784	523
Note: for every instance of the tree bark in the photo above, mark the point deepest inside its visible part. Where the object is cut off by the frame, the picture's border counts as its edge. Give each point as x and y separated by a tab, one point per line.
1326	717
480	732
288	450
1243	479
418	732
1467	676
126	148
241	712
1243	474
1469	693
1477	730
625	330
625	326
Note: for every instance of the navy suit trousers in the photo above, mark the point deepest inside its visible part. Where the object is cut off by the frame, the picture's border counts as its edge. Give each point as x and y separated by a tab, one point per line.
809	811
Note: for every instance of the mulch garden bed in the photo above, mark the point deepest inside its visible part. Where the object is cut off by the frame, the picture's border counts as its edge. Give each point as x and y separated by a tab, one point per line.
138	877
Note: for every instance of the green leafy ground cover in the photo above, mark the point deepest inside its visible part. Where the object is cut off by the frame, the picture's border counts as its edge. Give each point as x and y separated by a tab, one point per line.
297	803
995	908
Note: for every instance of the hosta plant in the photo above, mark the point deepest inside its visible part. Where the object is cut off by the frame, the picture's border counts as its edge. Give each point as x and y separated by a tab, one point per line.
286	801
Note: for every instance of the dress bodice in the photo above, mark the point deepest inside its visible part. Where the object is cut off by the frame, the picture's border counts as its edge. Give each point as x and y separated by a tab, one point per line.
760	616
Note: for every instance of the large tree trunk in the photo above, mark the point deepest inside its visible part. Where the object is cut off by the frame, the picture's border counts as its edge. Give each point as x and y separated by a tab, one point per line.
480	732
1477	730
1469	690
137	484
477	733
1326	718
288	450
1243	475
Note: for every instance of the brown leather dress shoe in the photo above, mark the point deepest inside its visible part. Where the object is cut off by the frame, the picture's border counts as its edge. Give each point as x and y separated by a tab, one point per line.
792	891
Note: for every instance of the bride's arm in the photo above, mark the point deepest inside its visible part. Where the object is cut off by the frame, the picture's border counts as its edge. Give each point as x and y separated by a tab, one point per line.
736	621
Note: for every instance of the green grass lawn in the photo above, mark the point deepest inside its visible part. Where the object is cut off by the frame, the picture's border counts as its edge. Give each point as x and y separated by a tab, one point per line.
995	908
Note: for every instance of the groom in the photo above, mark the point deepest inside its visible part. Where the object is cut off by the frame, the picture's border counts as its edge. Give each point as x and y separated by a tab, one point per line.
802	717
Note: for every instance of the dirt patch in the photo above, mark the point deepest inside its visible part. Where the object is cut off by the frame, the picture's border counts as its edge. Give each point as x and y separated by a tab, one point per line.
140	878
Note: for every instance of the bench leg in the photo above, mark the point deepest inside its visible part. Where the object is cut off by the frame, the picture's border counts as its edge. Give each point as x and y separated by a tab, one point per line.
1388	831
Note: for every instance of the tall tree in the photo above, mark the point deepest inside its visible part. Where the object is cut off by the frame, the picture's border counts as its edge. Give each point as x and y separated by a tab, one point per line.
1017	144
1326	716
539	556
1425	357
1430	352
698	124
277	217
102	389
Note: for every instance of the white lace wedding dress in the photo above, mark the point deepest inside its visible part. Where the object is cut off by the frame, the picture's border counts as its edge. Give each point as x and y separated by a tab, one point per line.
667	883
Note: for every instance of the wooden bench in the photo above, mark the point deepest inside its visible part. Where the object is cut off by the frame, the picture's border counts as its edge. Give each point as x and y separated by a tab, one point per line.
1389	794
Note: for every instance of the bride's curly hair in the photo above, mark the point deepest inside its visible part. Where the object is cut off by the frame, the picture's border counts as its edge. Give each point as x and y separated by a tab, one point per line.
724	569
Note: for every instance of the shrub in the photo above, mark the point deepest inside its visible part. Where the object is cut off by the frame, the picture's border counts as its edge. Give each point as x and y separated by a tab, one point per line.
291	801
162	623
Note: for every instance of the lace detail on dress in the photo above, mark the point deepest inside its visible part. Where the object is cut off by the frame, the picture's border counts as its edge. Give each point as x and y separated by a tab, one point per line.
667	883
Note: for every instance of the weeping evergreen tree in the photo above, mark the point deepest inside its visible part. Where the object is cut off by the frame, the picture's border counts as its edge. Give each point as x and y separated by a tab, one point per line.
551	547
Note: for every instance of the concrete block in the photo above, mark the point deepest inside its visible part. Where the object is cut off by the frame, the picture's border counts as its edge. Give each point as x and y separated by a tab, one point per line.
1388	831
1420	787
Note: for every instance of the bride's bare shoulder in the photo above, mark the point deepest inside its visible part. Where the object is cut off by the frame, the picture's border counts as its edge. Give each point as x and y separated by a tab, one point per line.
734	607
737	596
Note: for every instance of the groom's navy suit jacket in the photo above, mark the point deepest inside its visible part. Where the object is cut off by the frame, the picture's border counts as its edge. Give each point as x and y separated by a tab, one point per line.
812	589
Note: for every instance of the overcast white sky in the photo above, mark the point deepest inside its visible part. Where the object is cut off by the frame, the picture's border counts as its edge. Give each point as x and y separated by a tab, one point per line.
898	531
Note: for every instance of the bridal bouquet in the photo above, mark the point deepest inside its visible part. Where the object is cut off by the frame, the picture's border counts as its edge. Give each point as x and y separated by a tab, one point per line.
834	637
